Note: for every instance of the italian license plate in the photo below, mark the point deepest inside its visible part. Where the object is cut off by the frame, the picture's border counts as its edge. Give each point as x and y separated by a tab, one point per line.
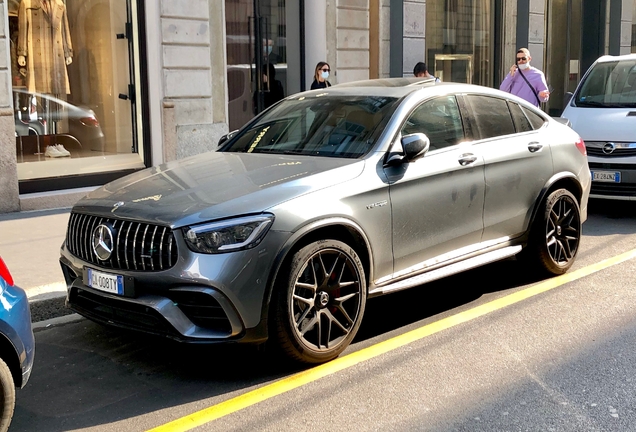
606	176
110	283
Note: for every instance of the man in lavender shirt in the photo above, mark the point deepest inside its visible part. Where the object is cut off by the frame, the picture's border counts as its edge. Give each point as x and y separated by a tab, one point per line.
535	89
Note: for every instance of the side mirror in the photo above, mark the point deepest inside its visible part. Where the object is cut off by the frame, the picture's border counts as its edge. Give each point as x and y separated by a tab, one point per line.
415	146
226	137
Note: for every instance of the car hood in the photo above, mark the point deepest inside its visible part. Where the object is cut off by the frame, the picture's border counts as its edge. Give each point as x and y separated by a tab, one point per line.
602	124
215	185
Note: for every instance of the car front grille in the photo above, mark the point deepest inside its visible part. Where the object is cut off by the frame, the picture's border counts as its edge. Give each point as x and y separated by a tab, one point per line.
613	189
119	313
202	309
137	246
596	148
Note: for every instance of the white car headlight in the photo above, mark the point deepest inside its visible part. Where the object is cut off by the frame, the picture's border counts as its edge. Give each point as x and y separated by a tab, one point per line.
228	235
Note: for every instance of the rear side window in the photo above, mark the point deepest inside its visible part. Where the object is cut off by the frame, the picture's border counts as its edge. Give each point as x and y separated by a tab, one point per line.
535	119
490	116
522	124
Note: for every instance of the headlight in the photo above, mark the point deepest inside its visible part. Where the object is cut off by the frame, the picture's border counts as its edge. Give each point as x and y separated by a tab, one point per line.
228	235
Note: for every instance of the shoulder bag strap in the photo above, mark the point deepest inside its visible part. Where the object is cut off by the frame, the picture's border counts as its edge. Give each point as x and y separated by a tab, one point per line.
530	85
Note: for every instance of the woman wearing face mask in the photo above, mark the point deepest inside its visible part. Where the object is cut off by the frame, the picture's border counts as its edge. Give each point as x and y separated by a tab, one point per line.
320	76
526	81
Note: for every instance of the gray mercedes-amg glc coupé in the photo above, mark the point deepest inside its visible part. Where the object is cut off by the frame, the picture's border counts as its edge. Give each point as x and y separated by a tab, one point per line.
326	199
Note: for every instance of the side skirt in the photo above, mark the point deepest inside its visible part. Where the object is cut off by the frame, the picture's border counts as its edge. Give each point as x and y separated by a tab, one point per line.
448	270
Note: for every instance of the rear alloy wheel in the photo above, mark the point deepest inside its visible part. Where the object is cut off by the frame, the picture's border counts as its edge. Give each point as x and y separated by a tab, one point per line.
319	306
554	240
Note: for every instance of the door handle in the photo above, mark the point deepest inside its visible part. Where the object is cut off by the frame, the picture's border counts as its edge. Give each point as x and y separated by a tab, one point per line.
467	159
534	146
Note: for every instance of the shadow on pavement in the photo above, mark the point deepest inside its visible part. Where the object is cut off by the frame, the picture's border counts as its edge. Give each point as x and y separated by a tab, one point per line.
86	375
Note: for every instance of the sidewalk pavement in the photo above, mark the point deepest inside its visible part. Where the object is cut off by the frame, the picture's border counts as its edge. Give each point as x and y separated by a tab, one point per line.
30	247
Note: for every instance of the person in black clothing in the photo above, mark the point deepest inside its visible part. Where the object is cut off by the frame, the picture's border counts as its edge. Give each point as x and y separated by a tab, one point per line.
320	76
272	88
421	71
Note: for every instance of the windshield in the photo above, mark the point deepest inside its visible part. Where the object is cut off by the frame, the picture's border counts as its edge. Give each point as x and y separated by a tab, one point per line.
609	85
317	125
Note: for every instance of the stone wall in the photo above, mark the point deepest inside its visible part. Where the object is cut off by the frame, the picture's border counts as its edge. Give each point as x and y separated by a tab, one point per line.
627	15
536	33
193	52
414	30
351	39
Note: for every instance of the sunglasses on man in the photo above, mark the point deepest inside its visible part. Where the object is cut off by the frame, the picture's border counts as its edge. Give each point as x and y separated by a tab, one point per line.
522	59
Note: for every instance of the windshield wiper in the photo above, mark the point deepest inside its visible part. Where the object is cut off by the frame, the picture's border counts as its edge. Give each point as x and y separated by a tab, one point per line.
606	104
590	103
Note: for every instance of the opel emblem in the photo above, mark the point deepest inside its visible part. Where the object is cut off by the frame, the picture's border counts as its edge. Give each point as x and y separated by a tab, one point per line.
118	204
103	241
609	148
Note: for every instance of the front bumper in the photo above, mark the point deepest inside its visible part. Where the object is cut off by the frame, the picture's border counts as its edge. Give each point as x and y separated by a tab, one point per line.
623	190
201	299
15	325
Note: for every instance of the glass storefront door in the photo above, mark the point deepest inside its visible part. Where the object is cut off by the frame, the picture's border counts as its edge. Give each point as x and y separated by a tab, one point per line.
257	67
459	40
73	66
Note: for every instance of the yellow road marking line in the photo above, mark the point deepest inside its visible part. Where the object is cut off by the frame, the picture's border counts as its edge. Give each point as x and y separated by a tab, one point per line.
297	380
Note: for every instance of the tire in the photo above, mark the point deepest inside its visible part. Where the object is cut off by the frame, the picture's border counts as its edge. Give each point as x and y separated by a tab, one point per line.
318	302
555	235
7	396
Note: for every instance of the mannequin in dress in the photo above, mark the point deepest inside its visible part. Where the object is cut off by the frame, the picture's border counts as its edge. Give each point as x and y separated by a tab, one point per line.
44	47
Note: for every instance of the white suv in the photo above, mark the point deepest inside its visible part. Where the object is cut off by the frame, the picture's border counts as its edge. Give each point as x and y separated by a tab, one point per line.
603	112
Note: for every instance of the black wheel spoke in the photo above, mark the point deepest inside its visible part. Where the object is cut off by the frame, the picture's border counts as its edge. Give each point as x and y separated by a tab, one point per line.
562	231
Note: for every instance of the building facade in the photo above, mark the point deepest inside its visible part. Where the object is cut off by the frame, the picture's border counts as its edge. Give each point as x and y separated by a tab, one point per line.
91	90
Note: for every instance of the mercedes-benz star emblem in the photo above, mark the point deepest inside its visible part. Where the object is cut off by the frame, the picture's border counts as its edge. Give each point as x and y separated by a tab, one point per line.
609	148
103	242
324	299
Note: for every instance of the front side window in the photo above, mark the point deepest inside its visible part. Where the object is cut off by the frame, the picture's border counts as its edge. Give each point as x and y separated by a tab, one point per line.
73	74
439	119
332	126
609	85
491	116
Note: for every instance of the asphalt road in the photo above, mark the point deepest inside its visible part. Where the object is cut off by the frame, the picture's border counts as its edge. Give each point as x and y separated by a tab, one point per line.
562	360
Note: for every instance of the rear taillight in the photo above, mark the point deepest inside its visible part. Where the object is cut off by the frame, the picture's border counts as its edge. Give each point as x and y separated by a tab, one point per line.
581	146
4	273
89	121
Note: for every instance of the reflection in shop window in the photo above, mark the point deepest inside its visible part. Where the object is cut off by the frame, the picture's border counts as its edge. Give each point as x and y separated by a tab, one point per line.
71	73
242	24
458	40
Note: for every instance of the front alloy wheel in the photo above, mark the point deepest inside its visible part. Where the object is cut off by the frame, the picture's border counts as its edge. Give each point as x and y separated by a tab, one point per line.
320	307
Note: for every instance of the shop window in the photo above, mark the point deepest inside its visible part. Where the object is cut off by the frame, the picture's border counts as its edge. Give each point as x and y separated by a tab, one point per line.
73	83
252	90
459	40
